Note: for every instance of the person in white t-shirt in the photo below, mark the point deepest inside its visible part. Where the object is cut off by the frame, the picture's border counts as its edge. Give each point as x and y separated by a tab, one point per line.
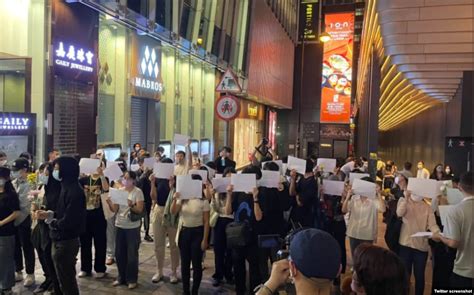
183	160
422	172
127	241
362	226
192	237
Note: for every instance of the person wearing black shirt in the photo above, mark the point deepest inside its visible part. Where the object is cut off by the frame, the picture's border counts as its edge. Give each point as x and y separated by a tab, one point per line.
246	208
144	184
224	161
96	225
305	200
273	202
66	223
9	211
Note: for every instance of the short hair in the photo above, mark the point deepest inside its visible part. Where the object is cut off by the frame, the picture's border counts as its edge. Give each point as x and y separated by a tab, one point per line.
407	165
132	175
2	154
253	170
309	166
466	183
227	149
181	152
160	149
196	177
26	155
271	166
367	178
211	165
166	160
123	154
380	271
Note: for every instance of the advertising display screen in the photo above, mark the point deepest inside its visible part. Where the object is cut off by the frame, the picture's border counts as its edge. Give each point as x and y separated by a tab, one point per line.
337	69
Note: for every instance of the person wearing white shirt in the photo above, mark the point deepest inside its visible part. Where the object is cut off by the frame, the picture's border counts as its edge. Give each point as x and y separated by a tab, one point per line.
183	160
362	226
422	172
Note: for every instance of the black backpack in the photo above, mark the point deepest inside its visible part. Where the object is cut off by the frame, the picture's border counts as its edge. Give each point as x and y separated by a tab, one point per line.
394	226
239	233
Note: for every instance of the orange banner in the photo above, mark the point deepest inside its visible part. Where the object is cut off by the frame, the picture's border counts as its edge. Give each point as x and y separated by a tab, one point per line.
337	69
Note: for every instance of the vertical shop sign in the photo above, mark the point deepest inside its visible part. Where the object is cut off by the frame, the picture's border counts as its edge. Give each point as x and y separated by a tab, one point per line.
337	69
272	127
308	29
74	41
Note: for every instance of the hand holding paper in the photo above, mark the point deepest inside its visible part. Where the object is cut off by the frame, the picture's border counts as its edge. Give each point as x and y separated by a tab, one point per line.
89	166
243	182
333	187
188	187
298	164
118	196
180	139
220	184
364	188
354	175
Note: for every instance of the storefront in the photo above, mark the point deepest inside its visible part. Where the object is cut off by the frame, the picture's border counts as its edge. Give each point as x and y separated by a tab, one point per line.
17	134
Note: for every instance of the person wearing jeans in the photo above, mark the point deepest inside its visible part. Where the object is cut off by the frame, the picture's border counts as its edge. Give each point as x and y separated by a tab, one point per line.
417	216
127	241
111	233
193	237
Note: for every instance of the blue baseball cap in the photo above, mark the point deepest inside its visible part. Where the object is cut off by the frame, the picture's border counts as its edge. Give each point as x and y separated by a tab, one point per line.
316	254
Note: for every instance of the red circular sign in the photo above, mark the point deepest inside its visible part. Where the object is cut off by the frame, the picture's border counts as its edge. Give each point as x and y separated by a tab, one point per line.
227	107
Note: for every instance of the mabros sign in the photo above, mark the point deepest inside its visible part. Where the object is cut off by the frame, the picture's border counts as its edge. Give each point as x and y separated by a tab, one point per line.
337	69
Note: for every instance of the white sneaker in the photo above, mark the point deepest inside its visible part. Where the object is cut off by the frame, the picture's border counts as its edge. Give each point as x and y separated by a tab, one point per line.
99	275
132	286
157	278
29	281
173	278
18	276
83	274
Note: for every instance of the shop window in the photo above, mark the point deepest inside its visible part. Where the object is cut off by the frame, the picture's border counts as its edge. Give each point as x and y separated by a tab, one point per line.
216	39
164	13
186	23
13	74
139	6
227	47
105	112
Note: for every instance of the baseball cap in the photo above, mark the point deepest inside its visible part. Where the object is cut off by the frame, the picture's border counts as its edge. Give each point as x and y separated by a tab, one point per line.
5	173
20	163
316	254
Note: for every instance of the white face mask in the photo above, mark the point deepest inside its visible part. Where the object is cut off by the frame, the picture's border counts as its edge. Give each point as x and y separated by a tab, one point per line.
397	180
416	198
3	162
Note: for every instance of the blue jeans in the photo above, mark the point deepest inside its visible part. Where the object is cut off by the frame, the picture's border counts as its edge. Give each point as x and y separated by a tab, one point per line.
127	243
7	257
416	260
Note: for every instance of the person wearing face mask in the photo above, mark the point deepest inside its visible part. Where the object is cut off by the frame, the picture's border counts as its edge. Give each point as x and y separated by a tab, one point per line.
183	164
224	161
438	173
3	159
448	171
9	211
315	260
127	242
417	216
24	247
422	172
66	223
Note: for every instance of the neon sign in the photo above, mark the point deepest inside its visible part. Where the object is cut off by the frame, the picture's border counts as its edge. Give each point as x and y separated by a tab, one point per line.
14	123
74	58
150	71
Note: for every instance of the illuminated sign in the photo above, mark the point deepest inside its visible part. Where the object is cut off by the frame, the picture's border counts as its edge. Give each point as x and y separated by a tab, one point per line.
252	110
337	69
74	58
14	123
17	123
150	71
308	20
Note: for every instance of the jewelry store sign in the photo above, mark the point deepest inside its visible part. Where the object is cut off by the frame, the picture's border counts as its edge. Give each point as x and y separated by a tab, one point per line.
73	57
17	123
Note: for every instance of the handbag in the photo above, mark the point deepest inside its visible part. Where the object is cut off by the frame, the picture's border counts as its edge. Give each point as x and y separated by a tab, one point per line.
136	216
213	218
238	234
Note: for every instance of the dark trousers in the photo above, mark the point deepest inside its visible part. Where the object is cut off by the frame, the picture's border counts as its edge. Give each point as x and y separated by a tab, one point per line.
64	255
46	260
146	219
416	260
24	247
443	263
96	230
460	282
190	239
338	230
354	243
249	253
127	243
222	255
265	255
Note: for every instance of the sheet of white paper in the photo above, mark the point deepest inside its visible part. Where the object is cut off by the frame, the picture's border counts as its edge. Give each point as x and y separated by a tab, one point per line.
180	139
218	175
326	165
202	173
298	164
364	188
353	176
134	167
220	184
113	171
422	234
89	166
163	170
444	212
105	207
270	179
333	187
149	163
278	162
243	182
118	196
188	188
284	168
454	196
212	172
427	188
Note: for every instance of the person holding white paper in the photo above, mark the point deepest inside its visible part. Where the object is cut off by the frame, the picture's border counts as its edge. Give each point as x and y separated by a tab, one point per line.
183	160
127	241
193	236
417	216
246	210
304	193
362	226
459	234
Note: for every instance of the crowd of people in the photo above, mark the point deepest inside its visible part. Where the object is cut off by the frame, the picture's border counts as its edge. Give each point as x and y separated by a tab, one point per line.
292	233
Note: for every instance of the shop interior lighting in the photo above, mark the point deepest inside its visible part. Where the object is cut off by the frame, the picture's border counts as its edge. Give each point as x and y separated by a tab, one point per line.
324	37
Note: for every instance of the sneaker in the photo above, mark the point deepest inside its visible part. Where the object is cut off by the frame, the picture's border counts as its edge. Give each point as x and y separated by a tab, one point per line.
42	288
18	276
132	286
173	278
110	261
116	283
84	274
148	239
99	275
216	282
157	278
29	281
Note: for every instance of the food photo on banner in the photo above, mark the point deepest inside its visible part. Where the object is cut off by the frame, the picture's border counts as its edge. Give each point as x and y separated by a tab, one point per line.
337	69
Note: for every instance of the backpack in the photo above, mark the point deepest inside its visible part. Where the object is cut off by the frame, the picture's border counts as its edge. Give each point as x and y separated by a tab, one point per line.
238	233
394	227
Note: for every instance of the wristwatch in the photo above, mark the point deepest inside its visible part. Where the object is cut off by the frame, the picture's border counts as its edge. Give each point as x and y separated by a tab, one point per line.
264	288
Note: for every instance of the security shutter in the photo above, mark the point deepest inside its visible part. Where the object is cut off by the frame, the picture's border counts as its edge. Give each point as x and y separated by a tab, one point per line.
138	126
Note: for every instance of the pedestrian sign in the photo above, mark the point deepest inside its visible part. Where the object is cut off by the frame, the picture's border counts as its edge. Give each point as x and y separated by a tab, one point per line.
229	83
